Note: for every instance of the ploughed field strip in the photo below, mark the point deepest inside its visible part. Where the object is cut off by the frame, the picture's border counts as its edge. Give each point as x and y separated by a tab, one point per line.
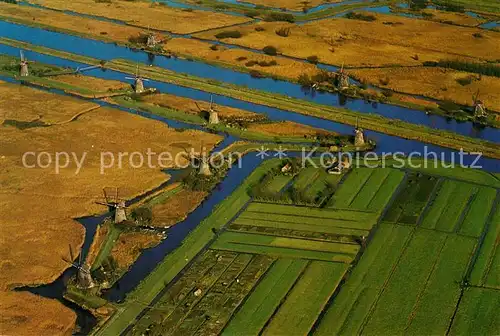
390	249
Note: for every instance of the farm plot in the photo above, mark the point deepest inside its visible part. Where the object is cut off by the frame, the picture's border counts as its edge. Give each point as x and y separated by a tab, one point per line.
452	200
212	287
304	178
265	299
378	190
348	190
286	247
307	298
477	214
486	270
277	184
432	264
477	313
349	309
412	199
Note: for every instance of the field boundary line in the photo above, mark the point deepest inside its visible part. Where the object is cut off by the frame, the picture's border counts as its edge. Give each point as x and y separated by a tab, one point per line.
361	186
430	202
307	216
458	225
288	248
378	190
321	209
326	219
329	203
426	284
319	240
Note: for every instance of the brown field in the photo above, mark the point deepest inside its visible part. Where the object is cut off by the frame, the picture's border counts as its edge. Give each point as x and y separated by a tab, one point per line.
147	14
454	17
129	246
71	23
177	207
92	83
360	43
436	83
188	105
286	128
291	4
286	67
36	235
413	100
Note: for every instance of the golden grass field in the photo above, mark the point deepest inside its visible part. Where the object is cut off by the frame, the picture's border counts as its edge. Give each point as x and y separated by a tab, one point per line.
359	43
38	206
190	106
92	83
436	83
287	68
71	23
129	246
286	128
454	17
147	14
291	4
177	207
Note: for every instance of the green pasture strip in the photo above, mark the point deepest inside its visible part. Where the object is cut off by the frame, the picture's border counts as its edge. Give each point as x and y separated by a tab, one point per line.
347	312
346	214
291	243
411	200
479	210
476	176
106	247
370	189
317	185
345	223
328	227
163	197
477	313
493	277
436	304
306	175
350	188
306	300
401	292
266	297
488	250
176	260
278	183
202	274
448	206
282	252
222	299
384	194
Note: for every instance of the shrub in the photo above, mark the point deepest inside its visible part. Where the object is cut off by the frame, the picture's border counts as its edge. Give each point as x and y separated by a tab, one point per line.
384	81
252	13
486	69
214	47
187	9
9	1
266	64
256	74
250	63
360	16
464	81
139	39
229	34
477	35
387	93
143	215
322	76
312	59
259	28
283	32
270	50
305	80
241	58
274	16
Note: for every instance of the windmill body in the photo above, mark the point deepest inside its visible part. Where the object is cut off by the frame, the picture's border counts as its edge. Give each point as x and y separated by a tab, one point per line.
84	277
23	66
479	107
214	116
359	136
204	168
343	79
119	206
138	81
151	43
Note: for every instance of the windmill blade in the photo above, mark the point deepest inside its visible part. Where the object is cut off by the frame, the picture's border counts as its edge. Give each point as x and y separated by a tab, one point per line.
105	195
21	53
71	253
198	106
80	259
145	80
130	78
116	196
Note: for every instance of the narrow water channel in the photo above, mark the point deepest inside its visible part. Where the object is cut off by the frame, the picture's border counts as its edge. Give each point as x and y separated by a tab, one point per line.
108	51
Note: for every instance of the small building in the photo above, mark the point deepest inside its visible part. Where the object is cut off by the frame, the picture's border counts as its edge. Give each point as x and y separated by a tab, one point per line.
287	168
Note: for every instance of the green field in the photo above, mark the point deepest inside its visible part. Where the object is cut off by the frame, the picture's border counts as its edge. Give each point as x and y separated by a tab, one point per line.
333	269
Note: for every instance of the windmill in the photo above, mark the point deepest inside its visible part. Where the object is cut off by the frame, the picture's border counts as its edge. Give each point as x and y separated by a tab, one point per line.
342	79
117	204
151	41
359	137
213	116
138	81
84	277
23	65
204	161
479	108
